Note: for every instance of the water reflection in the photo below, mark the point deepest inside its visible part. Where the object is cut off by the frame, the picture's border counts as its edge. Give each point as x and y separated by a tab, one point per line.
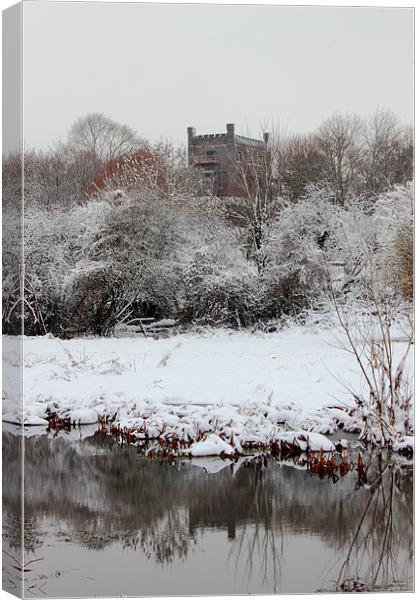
111	522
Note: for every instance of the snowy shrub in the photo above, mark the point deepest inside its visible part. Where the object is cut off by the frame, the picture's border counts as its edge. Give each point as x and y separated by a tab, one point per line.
294	276
362	233
292	293
12	269
380	340
221	288
394	223
378	326
404	260
56	243
127	271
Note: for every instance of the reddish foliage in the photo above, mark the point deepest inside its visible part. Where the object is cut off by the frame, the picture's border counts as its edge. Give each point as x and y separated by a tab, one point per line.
124	171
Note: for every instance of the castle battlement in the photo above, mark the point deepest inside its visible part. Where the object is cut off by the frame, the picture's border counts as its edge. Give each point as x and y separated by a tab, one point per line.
208	136
250	140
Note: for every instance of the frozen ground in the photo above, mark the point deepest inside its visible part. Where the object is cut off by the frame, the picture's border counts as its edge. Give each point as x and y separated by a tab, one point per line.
244	386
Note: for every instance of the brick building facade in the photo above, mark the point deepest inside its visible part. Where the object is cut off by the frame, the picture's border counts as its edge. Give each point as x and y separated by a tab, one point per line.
227	161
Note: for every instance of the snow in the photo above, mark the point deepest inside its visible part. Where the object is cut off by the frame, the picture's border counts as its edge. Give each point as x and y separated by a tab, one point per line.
307	441
84	416
404	444
238	387
34	420
212	444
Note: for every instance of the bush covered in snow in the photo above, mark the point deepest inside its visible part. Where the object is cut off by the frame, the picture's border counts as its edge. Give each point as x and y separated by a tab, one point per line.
88	268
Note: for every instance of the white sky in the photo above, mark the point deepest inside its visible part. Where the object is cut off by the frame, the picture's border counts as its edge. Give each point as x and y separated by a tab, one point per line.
160	68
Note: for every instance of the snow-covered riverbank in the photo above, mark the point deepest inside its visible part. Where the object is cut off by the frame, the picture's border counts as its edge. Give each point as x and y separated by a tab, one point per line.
248	387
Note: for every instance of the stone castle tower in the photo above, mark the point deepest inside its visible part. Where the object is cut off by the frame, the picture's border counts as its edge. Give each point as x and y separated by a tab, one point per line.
227	160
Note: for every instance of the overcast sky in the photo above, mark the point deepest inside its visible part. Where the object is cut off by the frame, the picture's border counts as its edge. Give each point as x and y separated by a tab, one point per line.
160	68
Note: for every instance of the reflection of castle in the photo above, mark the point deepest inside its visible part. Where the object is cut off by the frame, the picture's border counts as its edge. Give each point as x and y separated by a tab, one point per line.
227	160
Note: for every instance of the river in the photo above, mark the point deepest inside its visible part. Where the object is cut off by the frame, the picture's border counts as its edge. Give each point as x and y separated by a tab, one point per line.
101	520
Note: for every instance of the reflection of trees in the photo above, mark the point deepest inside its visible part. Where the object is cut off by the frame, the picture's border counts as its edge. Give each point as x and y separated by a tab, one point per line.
102	494
12	516
379	555
172	540
261	542
105	494
258	505
371	525
12	533
162	541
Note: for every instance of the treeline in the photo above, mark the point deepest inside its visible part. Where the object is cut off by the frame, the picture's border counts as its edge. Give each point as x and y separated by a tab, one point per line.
348	155
353	156
149	243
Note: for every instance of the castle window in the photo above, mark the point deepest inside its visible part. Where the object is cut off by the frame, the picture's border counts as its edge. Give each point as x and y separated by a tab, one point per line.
211	152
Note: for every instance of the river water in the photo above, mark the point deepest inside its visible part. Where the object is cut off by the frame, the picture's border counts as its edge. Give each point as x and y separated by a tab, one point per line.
101	520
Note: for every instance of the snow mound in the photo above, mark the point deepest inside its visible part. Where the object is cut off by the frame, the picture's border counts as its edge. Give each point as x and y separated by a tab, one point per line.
84	416
34	420
211	445
404	444
307	441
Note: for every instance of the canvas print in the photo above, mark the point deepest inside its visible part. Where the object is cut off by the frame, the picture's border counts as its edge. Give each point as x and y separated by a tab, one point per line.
207	299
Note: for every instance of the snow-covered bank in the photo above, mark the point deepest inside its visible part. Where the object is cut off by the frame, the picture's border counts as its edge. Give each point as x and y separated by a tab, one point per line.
245	387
